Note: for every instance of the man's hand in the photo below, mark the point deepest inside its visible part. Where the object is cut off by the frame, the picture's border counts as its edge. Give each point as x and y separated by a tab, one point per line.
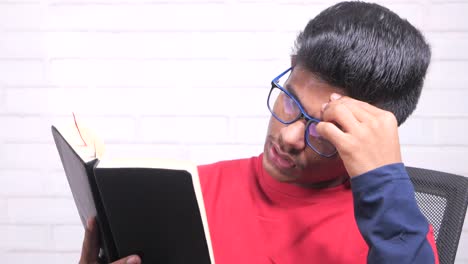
365	136
90	250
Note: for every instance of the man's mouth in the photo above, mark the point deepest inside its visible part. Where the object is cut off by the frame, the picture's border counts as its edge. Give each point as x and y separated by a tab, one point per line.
279	159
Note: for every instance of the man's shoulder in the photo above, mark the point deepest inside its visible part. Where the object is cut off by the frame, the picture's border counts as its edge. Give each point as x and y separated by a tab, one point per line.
223	178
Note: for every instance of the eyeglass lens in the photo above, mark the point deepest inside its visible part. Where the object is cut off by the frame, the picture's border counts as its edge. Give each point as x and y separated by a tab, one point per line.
286	110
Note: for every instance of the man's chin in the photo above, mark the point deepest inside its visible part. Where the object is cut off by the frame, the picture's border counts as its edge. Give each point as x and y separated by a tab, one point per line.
302	178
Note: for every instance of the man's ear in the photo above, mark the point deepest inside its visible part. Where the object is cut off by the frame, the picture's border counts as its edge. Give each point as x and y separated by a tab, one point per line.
293	60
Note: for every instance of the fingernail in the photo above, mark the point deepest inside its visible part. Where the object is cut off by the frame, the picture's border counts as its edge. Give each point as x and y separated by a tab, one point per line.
133	260
324	106
335	96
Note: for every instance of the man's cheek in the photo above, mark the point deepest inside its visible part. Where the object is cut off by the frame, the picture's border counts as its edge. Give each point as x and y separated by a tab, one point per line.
273	127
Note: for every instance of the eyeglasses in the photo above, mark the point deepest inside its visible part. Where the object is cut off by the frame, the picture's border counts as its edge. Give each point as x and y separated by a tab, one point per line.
287	109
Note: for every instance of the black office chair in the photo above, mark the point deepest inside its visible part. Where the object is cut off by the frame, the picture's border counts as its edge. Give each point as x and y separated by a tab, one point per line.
442	198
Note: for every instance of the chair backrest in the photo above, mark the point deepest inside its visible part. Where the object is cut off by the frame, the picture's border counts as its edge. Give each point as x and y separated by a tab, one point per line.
442	198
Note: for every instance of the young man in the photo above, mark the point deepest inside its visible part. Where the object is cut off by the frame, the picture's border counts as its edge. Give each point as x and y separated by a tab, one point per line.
330	186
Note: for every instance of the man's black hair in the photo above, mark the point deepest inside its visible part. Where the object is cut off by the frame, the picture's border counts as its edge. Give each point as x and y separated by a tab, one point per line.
370	52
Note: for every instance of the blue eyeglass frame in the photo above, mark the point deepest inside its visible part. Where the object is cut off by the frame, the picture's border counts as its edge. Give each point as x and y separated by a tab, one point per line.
302	115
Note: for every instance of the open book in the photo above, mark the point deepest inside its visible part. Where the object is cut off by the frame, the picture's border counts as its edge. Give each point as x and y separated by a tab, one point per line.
150	207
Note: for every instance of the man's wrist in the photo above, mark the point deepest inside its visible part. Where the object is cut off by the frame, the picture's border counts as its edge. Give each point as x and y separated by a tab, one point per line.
379	176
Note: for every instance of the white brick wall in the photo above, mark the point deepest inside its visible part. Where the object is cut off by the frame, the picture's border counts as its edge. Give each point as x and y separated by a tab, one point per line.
140	71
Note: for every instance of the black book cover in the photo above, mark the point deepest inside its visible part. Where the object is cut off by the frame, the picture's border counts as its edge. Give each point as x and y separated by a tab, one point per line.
85	193
153	213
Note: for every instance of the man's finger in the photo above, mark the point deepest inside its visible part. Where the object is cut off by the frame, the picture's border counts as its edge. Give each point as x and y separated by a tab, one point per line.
359	110
332	133
371	109
90	249
340	114
133	259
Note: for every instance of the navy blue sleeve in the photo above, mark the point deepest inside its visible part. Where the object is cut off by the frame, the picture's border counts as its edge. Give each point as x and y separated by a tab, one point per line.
388	217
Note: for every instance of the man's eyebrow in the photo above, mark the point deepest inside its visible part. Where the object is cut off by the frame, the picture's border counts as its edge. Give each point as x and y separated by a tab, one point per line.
293	93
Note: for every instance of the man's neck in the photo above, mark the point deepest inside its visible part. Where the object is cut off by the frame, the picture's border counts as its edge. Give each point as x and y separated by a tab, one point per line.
326	184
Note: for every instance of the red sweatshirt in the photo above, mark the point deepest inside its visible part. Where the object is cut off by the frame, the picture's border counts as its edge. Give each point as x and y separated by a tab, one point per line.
256	219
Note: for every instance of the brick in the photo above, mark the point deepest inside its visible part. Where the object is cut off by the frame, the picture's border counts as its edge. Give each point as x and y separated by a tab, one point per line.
107	2
170	45
21	16
330	2
258	45
249	101
231	101
442	158
20	128
167	73
47	257
443	103
57	184
447	75
29	156
185	130
446	1
2	98
146	150
173	17
21	183
448	45
55	101
413	12
14	72
28	45
269	17
67	237
452	131
25	237
33	183
418	131
251	130
111	129
410	10
447	17
165	17
168	17
213	153
42	211
3	210
20	1
257	14
39	101
24	101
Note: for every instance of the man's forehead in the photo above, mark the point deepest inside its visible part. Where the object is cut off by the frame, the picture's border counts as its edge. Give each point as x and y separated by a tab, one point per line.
303	80
307	77
310	90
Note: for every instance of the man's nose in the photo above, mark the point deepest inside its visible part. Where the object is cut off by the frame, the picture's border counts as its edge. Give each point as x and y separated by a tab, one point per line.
292	136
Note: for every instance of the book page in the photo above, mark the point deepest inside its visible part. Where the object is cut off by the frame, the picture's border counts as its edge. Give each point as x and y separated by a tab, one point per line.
84	140
146	163
201	205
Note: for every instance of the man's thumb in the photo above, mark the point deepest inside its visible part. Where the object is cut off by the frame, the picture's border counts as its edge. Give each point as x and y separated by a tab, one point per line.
133	259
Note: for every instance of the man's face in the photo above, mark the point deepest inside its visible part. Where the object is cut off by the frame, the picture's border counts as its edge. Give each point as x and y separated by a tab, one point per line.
287	157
